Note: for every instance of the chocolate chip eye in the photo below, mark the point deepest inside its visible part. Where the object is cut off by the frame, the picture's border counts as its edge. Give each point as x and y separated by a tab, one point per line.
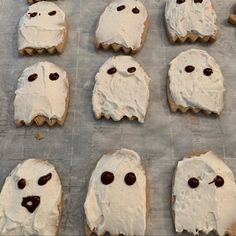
21	184
111	71
198	1
107	178
33	14
130	178
135	10
44	179
189	69
180	1
219	181
208	71
52	13
131	69
32	77
193	182
54	76
120	8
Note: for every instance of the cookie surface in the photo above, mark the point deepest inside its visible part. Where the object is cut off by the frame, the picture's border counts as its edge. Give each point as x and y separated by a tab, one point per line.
121	89
123	26
42	28
195	82
116	199
204	195
191	20
31	201
42	95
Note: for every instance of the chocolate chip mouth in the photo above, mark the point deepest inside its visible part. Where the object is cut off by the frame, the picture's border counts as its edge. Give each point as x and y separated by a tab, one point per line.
31	203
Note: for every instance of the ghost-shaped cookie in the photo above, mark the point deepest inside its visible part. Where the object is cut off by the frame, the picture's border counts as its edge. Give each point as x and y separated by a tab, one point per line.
123	26
31	200
42	95
232	17
191	20
42	28
204	196
121	90
116	198
195	83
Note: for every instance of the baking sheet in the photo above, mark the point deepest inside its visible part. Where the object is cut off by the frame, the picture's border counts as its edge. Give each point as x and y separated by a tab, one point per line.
75	148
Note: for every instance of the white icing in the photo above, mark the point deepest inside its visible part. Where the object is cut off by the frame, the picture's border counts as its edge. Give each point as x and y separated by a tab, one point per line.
195	89
122	27
42	96
16	219
189	16
123	93
205	208
117	208
43	30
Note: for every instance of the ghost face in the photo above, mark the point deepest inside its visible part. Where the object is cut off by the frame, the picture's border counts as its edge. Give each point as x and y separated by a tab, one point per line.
196	81
121	89
116	199
205	195
122	23
43	26
42	90
29	200
185	16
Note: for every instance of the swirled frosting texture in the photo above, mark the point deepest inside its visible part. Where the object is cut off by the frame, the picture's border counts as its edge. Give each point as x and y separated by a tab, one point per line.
43	26
117	208
189	16
207	207
122	93
122	27
42	96
16	219
195	89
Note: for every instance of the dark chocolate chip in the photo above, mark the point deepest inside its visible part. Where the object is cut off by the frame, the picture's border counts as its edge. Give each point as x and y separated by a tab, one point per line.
107	177
52	13
21	183
120	8
33	14
198	1
193	182
219	181
31	203
130	178
32	77
208	71
180	1
111	71
54	76
44	179
131	69
135	10
189	69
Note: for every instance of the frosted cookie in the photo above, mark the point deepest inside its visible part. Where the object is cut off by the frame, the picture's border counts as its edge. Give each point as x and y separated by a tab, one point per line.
42	28
195	82
42	95
116	199
191	20
204	196
121	90
123	26
31	200
232	17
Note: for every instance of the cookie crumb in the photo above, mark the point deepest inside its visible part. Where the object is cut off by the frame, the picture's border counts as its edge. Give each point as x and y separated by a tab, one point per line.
40	136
